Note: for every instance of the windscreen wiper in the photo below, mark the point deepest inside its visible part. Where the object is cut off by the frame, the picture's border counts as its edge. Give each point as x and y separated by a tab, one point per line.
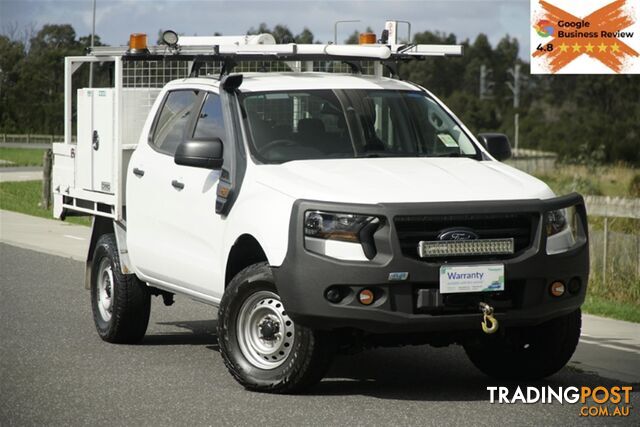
470	156
372	154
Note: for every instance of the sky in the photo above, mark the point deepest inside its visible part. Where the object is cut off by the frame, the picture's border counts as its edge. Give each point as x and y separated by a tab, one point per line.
116	19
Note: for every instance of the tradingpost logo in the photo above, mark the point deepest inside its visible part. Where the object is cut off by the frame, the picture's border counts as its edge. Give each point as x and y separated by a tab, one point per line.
544	28
597	401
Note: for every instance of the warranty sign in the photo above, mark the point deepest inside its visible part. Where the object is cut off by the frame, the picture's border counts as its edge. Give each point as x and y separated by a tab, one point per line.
585	37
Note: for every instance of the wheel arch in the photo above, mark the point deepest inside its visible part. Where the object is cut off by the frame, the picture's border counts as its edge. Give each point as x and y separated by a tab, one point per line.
245	251
99	227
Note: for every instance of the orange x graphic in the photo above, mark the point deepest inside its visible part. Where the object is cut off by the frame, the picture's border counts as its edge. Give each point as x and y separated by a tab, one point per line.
612	52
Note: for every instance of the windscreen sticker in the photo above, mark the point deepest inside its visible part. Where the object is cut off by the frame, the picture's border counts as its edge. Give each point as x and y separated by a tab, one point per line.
448	140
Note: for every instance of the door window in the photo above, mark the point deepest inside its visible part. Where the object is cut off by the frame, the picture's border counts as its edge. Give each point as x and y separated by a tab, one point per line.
173	119
210	122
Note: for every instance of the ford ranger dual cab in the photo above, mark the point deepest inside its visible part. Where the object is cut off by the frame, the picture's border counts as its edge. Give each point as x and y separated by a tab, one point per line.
320	213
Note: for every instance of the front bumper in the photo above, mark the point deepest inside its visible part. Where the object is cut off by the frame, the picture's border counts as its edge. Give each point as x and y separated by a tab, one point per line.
415	304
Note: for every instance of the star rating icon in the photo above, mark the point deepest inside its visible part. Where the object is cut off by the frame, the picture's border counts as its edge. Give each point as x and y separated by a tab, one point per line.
589	48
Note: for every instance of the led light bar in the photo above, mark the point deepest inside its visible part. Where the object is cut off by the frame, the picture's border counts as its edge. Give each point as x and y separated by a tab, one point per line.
445	248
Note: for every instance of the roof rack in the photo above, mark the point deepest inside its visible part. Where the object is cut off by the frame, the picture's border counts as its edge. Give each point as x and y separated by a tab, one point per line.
263	48
285	52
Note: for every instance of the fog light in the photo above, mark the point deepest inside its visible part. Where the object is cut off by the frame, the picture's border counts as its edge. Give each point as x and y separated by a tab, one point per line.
334	295
366	297
574	285
557	289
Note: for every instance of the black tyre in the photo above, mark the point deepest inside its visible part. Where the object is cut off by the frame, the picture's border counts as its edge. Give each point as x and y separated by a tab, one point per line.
121	303
260	345
527	353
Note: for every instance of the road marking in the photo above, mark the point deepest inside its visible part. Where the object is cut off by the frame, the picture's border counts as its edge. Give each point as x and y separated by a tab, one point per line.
73	237
614	347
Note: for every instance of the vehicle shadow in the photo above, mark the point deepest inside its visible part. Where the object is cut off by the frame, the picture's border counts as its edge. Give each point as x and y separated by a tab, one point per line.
417	373
424	373
200	332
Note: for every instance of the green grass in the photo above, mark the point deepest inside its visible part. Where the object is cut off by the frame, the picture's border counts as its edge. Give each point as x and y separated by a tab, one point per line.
24	197
21	157
621	225
600	306
614	180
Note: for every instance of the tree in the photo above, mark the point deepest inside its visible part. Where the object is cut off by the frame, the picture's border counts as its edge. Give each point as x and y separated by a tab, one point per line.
305	37
12	54
43	76
283	34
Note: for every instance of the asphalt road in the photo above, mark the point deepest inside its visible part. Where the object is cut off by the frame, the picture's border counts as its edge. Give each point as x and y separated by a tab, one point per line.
55	370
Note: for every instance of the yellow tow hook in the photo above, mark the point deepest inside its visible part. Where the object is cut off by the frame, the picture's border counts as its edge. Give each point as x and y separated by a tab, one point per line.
487	312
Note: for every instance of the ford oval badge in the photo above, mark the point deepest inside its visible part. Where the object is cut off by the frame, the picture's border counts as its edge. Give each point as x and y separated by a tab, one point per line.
457	234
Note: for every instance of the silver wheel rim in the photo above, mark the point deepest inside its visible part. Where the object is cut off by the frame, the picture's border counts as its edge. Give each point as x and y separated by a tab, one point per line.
265	331
105	289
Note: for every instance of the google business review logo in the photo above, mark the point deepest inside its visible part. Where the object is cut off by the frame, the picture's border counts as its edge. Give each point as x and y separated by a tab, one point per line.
544	28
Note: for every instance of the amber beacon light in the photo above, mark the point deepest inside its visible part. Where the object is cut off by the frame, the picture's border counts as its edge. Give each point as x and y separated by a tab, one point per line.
138	43
367	38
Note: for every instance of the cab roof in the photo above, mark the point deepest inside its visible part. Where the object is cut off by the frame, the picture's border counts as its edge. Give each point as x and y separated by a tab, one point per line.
267	82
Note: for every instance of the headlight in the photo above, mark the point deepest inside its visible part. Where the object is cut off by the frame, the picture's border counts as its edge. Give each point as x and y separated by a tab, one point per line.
562	226
340	235
556	221
336	226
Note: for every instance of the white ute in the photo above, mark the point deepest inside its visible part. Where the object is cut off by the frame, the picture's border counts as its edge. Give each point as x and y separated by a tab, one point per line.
318	211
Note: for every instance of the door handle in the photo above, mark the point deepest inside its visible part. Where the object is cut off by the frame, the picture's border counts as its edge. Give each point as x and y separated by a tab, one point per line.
138	172
95	140
177	184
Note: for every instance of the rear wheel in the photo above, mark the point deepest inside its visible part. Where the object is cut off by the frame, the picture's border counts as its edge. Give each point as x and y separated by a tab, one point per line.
261	346
120	302
527	353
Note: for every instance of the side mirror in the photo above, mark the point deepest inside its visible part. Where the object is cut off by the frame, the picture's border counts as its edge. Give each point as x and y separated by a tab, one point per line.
205	154
496	144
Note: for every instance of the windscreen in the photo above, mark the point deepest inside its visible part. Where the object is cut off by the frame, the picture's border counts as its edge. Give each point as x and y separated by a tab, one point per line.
350	123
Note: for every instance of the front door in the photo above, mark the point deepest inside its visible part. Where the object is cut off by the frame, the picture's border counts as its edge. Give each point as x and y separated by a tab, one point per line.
174	232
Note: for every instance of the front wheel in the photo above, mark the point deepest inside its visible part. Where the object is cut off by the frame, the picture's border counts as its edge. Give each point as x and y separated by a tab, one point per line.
260	345
527	353
120	302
